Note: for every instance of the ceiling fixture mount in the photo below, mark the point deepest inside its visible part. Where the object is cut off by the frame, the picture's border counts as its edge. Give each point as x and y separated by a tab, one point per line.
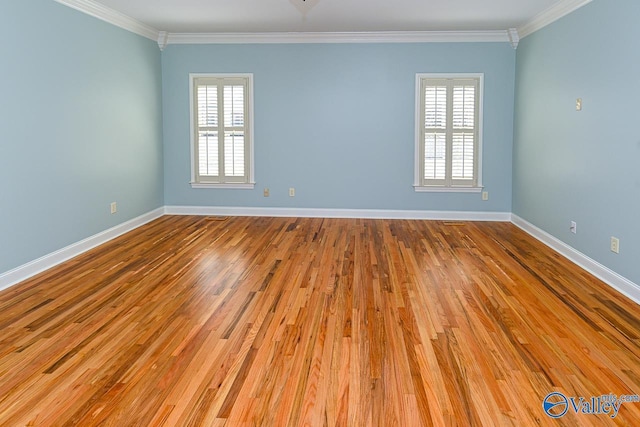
304	6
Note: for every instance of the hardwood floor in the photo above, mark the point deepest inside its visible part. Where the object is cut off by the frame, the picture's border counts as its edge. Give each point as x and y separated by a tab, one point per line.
189	321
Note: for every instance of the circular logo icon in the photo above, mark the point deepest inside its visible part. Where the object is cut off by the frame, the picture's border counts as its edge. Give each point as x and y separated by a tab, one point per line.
555	405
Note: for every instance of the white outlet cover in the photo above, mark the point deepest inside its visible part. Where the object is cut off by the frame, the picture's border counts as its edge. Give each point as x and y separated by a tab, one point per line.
615	245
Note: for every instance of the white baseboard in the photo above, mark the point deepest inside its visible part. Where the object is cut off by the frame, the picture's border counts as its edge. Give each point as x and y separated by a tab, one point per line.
338	213
41	264
613	279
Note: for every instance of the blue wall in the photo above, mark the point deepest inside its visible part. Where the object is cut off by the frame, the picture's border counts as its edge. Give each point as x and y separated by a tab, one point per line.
80	127
582	166
85	104
337	122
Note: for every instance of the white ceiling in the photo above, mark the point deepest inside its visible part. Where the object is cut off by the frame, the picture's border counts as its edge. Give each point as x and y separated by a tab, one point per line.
255	16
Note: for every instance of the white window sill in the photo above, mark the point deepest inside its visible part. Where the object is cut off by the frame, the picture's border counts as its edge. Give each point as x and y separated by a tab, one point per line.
435	189
227	185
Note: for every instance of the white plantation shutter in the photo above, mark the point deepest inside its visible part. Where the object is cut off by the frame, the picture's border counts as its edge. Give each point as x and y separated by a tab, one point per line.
234	117
222	138
435	150
435	126
207	108
449	117
463	109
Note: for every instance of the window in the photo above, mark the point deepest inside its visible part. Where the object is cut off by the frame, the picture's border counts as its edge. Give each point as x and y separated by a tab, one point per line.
449	132
222	131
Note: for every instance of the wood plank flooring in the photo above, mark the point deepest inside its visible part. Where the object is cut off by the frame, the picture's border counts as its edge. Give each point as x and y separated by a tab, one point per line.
189	321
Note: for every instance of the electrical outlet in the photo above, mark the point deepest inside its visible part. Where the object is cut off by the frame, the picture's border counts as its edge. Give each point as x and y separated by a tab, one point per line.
579	104
114	207
485	195
573	227
292	192
615	245
266	192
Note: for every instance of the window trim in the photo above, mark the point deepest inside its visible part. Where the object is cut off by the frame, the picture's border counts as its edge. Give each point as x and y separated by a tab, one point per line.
250	183
418	172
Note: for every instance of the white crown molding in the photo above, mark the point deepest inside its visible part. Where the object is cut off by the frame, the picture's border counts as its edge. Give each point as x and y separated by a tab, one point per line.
48	261
610	277
338	213
163	39
113	17
340	37
550	15
514	37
